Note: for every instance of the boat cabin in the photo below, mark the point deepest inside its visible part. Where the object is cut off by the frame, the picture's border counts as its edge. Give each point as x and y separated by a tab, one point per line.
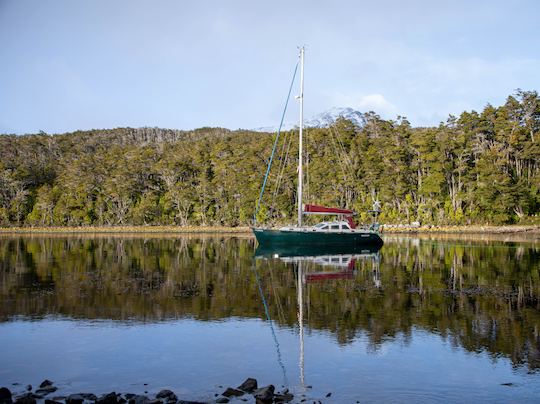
338	225
324	227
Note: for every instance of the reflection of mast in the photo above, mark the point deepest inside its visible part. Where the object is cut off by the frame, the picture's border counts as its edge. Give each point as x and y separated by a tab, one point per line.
267	312
376	271
300	289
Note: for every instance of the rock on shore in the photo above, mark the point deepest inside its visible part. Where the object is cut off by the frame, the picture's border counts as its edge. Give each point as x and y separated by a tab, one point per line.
263	395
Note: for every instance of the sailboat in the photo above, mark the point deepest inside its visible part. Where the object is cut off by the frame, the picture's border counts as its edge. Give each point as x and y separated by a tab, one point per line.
339	232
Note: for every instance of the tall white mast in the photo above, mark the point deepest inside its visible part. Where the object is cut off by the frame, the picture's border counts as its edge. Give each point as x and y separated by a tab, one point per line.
300	172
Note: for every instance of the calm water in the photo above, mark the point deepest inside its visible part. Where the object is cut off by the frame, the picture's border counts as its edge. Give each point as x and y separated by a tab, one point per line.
423	319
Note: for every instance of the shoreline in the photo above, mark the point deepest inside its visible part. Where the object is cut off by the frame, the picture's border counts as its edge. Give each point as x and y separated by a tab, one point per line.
48	392
472	229
125	230
385	229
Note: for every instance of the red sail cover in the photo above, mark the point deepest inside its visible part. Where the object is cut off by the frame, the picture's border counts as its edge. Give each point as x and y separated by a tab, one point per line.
324	209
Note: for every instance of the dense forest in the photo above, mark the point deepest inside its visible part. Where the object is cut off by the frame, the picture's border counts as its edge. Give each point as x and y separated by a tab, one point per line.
478	168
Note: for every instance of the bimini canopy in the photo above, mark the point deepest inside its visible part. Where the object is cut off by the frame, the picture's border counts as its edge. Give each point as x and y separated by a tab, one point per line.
323	210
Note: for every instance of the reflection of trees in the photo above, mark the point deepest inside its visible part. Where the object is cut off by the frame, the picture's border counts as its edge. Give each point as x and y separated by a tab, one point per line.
477	295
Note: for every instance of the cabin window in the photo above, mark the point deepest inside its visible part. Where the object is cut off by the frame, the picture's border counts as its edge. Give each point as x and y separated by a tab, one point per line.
344	227
335	227
324	227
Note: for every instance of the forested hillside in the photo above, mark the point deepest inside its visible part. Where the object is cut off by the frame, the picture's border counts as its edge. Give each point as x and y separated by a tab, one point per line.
476	168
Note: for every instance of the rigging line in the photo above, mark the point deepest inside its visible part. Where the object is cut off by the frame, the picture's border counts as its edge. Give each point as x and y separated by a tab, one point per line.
282	169
307	164
267	312
281	313
282	163
345	154
275	145
336	150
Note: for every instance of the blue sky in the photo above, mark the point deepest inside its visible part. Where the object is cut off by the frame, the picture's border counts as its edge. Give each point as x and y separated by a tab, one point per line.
74	64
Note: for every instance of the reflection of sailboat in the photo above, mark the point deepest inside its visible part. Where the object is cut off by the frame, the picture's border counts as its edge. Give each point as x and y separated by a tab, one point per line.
306	251
342	258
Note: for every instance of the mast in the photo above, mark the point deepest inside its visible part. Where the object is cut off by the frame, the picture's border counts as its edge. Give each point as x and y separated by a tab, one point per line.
300	172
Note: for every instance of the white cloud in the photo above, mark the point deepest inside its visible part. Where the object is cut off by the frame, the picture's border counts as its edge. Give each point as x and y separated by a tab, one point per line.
377	103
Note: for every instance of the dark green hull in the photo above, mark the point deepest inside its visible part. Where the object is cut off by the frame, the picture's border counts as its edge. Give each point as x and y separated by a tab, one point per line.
271	237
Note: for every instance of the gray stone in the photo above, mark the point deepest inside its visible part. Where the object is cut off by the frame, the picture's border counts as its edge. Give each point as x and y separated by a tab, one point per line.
47	389
222	400
191	402
110	398
28	398
167	394
250	385
265	394
283	397
45	383
74	399
48	401
89	396
230	392
139	399
5	396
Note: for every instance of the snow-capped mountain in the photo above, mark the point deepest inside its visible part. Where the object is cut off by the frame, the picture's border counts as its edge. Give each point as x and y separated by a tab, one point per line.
328	117
322	120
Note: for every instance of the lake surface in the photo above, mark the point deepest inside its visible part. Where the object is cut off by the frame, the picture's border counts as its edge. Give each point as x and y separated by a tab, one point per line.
424	319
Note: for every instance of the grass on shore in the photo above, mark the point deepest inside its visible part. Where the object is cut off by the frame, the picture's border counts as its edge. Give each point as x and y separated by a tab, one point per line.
473	229
126	229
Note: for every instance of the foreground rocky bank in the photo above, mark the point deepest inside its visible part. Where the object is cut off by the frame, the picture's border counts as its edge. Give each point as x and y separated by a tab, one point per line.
248	391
